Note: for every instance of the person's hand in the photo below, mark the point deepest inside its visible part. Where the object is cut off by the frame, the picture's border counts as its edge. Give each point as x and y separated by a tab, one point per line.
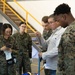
10	50
40	54
3	48
38	34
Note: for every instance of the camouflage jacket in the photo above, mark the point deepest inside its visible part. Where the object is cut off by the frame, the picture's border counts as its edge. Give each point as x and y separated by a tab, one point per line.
7	42
23	43
3	63
66	52
46	34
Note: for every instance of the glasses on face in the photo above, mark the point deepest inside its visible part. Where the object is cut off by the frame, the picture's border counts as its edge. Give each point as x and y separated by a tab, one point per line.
23	26
8	32
51	22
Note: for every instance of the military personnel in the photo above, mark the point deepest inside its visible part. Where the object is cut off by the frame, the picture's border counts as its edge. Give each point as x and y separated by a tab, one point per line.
66	53
47	31
7	66
46	34
24	45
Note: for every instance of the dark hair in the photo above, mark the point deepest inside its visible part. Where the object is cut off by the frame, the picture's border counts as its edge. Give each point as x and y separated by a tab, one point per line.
62	9
22	23
45	19
52	16
1	24
5	26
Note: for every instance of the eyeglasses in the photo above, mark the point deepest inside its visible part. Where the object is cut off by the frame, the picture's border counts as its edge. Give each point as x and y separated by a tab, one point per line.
23	26
51	22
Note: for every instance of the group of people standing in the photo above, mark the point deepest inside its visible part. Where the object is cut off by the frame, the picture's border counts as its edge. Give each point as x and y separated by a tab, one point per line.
19	46
59	45
57	41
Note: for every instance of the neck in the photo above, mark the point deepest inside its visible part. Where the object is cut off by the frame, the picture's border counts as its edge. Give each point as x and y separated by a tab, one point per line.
56	26
70	19
21	33
6	37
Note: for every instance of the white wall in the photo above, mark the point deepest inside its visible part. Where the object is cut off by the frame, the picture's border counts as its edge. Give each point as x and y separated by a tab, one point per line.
0	18
3	20
40	8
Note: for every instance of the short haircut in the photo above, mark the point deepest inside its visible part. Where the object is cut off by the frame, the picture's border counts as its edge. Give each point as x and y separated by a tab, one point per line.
45	19
22	23
62	9
5	26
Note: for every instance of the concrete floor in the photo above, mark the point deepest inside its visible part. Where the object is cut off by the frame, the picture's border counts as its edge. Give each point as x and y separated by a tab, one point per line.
34	67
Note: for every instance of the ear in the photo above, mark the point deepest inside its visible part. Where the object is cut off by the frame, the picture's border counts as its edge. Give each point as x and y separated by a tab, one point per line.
64	16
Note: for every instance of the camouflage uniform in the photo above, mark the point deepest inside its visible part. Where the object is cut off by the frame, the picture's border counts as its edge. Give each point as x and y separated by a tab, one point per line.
24	45
4	68
66	53
46	35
